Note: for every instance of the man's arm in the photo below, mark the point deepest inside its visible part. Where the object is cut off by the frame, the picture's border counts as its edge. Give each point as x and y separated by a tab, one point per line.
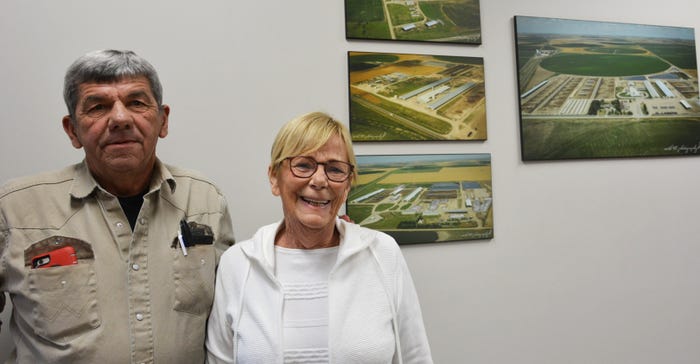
224	237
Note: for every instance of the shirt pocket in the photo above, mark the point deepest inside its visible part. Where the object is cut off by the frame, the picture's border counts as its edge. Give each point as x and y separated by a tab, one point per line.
66	303
65	297
193	276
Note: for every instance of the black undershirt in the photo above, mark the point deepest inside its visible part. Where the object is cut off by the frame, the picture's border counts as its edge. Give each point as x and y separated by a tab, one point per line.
132	206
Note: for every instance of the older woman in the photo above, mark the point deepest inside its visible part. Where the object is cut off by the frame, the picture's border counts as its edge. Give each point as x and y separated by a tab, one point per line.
314	288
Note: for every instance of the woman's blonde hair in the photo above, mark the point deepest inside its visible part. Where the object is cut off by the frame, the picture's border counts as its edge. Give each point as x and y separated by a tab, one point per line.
306	134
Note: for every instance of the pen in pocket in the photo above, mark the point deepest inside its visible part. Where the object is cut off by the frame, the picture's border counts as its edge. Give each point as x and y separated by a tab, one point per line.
183	246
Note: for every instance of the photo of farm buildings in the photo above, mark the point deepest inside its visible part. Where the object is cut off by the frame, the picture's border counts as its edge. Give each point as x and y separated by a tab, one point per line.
595	89
424	198
453	21
398	97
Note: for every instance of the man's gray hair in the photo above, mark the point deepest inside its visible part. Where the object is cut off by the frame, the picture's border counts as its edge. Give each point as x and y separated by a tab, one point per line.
107	66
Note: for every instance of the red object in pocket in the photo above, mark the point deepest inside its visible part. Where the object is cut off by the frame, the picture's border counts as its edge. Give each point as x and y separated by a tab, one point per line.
57	257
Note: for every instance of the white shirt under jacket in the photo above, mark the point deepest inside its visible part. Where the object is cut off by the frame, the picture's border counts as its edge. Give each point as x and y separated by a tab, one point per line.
374	314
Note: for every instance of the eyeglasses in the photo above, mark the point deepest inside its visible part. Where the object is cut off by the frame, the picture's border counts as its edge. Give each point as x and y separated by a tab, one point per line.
305	167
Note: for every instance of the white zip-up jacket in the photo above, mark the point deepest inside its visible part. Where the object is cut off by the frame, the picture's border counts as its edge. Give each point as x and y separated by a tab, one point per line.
374	314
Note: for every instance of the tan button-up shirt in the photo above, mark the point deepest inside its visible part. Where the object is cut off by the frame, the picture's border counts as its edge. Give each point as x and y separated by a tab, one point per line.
130	297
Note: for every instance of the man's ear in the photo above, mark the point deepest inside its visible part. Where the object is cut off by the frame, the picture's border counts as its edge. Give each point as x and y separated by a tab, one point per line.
164	112
274	181
69	128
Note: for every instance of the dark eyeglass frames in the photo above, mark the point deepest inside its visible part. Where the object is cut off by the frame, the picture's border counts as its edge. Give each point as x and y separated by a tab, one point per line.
305	167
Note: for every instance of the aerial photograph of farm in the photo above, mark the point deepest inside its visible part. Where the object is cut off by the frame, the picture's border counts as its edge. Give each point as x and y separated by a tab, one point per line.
398	97
597	89
453	21
424	198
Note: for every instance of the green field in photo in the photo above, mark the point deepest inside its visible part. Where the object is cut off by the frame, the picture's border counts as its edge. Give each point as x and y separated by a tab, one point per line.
400	14
362	115
556	139
457	18
680	55
603	65
365	122
367	125
365	19
361	62
458	21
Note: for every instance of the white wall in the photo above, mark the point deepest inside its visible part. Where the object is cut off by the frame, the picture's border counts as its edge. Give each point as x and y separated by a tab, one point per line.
592	261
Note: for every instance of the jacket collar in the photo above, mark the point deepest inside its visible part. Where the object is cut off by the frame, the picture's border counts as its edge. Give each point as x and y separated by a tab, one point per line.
261	248
84	183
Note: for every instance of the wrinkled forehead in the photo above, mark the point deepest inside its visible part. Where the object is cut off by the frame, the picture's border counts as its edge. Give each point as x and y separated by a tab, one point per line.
138	85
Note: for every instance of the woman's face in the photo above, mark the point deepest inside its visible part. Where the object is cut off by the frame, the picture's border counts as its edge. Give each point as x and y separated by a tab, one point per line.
313	202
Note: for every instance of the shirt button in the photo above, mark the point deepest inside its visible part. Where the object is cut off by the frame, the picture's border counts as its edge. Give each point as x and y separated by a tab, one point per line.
135	266
143	221
139	317
119	225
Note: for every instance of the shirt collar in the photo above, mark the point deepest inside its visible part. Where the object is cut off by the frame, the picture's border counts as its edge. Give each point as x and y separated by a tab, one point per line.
84	183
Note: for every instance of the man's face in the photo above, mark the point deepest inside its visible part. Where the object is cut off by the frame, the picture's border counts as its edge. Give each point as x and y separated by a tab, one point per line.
118	124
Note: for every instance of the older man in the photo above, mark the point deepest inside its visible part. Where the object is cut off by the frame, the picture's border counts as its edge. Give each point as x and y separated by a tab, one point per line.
111	260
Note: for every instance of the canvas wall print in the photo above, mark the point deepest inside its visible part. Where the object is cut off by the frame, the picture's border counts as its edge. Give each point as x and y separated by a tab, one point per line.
407	97
598	89
424	198
453	21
